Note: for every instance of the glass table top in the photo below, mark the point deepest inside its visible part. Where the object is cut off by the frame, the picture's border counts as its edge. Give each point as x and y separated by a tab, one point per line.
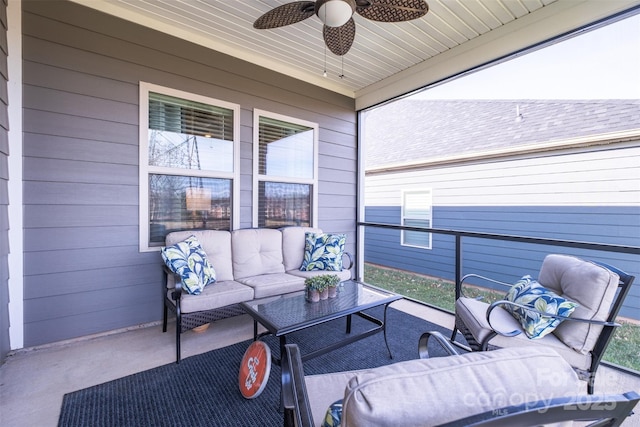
286	313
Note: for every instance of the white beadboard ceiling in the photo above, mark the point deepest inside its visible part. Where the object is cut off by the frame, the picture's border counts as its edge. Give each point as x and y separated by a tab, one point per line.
386	59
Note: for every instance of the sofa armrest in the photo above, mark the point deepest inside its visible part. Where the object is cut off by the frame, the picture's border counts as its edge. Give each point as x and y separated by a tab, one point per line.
177	283
350	258
295	401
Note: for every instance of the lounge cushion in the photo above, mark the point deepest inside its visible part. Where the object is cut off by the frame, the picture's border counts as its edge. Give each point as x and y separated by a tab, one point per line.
188	260
445	389
532	294
323	252
592	286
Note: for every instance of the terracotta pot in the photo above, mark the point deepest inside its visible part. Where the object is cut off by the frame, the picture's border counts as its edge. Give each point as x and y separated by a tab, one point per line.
201	328
324	294
313	295
333	291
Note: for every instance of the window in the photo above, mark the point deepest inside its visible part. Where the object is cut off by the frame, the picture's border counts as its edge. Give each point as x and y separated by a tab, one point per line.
285	171
416	212
188	163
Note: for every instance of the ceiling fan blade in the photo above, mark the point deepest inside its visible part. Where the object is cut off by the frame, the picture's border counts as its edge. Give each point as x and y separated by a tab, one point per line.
286	14
340	39
392	10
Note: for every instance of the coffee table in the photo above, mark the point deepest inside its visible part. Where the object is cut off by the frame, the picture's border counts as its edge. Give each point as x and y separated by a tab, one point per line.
281	315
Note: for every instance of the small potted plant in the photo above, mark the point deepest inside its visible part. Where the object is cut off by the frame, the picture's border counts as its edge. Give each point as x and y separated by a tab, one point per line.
319	287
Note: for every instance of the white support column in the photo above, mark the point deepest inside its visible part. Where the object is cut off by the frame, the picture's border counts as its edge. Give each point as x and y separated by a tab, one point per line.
16	267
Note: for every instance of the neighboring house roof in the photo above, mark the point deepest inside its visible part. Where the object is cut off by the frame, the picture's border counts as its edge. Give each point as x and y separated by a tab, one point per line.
419	130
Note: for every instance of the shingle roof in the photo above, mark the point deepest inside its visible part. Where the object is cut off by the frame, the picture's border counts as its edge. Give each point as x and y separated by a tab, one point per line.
414	130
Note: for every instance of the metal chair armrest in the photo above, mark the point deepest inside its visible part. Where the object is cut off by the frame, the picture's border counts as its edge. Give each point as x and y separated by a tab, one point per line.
423	344
542	314
177	288
348	255
295	400
477	276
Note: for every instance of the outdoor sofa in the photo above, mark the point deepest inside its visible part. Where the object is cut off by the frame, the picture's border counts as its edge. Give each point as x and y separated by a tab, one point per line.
249	264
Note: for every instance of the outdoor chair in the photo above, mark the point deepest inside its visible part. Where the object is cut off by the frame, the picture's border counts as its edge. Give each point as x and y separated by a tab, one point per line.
581	336
507	387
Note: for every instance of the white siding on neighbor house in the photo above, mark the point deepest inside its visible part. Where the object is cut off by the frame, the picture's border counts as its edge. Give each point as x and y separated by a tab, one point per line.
606	176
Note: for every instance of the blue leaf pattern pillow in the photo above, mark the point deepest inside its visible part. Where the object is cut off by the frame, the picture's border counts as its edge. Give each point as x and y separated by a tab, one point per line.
188	260
334	415
531	293
323	252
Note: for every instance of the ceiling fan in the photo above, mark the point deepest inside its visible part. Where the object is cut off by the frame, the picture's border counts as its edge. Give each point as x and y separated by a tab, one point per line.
339	28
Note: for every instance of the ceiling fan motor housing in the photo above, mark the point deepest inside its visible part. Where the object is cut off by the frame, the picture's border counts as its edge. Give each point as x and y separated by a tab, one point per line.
335	13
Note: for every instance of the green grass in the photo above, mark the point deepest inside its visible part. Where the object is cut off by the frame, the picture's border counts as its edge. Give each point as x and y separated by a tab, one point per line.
623	350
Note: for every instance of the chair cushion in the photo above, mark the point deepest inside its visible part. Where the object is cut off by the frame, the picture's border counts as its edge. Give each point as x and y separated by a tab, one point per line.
473	313
592	286
256	251
323	252
532	294
293	242
444	389
188	260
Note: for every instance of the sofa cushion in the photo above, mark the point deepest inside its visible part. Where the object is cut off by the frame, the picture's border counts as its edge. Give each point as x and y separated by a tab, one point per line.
590	285
323	252
293	242
224	293
532	294
256	251
189	261
266	285
444	389
216	244
343	275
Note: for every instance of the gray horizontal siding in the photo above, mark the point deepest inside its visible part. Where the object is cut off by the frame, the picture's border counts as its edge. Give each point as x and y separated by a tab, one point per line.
508	261
83	271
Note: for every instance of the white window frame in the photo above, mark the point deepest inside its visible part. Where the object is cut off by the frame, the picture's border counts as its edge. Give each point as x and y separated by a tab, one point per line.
145	169
257	177
428	193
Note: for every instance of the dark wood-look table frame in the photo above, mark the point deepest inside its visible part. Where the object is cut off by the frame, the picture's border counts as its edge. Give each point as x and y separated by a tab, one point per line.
281	315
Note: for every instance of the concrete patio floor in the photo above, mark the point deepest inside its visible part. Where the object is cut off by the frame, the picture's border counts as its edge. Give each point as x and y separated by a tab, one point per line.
34	381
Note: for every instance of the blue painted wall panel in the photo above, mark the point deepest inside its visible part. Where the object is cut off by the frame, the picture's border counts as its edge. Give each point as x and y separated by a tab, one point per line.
508	261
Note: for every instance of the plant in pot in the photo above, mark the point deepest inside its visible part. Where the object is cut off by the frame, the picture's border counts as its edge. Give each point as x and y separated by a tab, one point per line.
319	287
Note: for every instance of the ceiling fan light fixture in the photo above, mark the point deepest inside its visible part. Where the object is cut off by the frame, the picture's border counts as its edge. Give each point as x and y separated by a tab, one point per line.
335	13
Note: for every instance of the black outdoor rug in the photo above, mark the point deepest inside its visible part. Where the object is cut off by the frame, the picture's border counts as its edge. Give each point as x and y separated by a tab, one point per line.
203	390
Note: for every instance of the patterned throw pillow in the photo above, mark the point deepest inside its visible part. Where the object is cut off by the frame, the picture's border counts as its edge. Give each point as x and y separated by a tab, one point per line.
532	294
323	252
334	415
188	260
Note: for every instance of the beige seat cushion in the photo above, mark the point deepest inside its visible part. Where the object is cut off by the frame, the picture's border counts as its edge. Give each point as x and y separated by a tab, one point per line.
343	275
444	389
588	284
473	314
215	295
266	285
